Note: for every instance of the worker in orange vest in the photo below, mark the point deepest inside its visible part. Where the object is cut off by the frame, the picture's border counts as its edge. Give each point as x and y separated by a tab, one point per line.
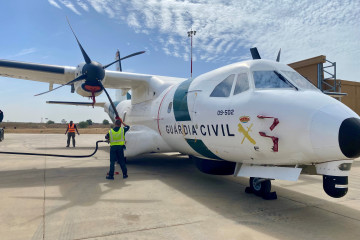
71	133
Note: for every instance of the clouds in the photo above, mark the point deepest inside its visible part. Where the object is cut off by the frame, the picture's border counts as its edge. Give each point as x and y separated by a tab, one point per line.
227	28
24	52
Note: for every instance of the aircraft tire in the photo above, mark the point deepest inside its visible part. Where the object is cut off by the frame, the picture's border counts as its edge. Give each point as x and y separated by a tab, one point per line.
1	134
260	189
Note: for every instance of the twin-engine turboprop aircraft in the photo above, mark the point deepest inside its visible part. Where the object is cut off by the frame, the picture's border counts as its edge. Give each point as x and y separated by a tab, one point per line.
257	119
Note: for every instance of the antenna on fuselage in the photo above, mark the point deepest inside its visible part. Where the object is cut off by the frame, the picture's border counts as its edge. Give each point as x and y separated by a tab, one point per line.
278	56
255	53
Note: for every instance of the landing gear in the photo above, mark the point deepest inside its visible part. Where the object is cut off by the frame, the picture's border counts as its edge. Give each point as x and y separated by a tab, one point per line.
261	187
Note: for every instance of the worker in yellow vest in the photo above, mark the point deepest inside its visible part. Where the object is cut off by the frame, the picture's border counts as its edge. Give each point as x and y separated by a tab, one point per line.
71	133
116	137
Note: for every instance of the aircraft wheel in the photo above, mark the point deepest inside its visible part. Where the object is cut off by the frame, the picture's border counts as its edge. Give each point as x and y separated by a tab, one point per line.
260	187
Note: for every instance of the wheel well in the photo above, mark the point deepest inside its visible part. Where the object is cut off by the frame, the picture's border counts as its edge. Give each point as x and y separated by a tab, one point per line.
214	167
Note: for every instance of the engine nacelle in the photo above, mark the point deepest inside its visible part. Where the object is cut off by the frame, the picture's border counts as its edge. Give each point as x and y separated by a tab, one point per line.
88	87
214	167
86	90
335	186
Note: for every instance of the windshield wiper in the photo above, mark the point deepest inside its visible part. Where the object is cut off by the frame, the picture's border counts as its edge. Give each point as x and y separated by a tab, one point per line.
285	80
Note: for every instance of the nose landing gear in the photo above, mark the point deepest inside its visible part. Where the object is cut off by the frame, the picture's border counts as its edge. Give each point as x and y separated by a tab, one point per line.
261	187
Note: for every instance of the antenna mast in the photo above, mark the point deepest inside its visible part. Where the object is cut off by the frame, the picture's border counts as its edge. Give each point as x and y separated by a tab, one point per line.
190	35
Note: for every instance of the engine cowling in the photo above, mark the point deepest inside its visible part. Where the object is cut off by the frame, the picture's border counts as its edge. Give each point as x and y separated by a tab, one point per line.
86	90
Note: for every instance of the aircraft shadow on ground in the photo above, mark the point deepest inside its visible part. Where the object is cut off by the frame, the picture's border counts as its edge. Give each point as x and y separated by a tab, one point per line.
313	217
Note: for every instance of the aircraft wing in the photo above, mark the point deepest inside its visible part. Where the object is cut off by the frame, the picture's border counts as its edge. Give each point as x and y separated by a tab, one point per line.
123	80
143	86
37	72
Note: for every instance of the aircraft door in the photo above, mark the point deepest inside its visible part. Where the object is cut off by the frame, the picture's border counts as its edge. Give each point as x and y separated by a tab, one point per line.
193	109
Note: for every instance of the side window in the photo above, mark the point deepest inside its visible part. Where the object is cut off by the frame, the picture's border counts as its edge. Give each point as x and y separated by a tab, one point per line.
242	83
223	89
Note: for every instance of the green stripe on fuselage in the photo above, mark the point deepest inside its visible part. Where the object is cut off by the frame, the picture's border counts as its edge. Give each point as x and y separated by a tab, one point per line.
181	112
201	148
180	103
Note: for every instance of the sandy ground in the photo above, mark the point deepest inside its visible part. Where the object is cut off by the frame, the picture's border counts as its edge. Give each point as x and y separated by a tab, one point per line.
165	197
43	128
56	130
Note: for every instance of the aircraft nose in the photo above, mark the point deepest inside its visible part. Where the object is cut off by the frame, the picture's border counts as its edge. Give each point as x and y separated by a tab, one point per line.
349	137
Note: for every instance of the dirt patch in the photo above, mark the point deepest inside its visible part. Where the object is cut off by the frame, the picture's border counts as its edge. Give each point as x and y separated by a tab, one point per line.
38	128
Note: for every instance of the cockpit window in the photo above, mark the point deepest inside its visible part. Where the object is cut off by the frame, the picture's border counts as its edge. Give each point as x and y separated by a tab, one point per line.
242	83
223	89
299	80
270	79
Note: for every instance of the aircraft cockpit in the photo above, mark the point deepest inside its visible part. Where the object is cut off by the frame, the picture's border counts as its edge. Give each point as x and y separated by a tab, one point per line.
262	80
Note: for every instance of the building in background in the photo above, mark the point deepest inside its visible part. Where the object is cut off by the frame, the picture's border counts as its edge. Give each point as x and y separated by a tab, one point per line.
322	73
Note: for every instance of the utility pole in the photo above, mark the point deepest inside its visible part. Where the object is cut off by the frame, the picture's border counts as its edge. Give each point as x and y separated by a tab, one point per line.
190	35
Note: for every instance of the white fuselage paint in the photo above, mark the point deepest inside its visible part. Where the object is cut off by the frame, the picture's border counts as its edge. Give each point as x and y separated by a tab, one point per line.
229	127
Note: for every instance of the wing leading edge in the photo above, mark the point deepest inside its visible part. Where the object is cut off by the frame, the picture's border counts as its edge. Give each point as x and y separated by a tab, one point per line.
36	72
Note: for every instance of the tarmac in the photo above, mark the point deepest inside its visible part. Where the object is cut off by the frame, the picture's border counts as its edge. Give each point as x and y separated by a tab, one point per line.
165	197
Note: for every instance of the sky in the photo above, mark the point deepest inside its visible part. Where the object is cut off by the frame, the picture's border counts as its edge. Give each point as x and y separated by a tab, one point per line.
37	31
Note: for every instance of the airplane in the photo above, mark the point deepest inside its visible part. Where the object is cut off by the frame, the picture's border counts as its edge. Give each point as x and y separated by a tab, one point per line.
256	118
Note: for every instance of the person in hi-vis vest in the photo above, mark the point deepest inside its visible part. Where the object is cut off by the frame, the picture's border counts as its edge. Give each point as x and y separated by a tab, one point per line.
116	137
71	133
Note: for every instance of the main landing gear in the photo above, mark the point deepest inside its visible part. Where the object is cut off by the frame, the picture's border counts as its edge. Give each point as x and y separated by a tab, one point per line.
261	187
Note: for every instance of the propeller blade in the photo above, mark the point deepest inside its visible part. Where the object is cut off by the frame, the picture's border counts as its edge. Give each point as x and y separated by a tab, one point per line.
128	56
111	102
81	77
86	57
254	53
278	56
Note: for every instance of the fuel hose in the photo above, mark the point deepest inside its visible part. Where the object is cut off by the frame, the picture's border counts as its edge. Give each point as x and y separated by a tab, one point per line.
55	155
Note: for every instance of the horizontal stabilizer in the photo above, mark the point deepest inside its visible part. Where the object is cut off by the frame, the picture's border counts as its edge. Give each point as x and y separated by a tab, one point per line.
88	104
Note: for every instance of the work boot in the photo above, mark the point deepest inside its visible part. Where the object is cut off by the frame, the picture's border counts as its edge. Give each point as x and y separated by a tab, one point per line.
110	177
125	176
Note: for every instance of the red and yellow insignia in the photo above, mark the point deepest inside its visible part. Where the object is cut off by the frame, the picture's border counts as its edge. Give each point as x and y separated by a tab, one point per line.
244	119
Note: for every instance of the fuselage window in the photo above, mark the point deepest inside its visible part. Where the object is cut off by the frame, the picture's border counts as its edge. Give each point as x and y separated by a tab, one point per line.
169	107
270	79
223	89
242	83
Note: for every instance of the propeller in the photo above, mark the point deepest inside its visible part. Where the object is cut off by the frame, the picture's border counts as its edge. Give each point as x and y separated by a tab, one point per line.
92	72
81	77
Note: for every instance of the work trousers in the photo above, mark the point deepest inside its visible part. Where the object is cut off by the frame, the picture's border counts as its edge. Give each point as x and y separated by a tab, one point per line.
71	135
117	155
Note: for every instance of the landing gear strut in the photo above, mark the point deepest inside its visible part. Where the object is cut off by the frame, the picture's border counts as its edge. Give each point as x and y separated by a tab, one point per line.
261	187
